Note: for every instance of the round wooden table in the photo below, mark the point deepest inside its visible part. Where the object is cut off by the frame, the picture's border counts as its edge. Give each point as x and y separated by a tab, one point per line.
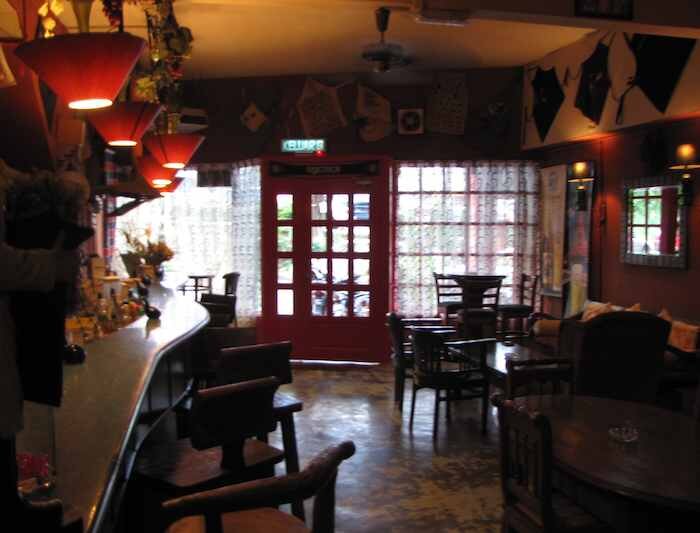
661	468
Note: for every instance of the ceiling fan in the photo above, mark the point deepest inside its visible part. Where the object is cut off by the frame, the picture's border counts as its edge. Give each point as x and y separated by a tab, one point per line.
384	55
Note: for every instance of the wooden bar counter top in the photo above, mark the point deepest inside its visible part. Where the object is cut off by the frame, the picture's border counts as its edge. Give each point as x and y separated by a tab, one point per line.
101	404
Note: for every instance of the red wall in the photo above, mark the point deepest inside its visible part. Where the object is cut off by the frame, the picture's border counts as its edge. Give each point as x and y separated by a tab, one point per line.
619	156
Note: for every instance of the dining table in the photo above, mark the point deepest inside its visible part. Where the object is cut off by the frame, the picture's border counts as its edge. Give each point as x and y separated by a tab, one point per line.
629	485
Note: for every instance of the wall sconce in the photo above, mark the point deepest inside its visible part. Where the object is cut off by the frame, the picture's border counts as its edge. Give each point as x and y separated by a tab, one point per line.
686	161
581	173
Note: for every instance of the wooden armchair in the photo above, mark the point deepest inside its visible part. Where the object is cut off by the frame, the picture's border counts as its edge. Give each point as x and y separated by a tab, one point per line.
617	355
250	507
529	503
449	296
523	375
220	304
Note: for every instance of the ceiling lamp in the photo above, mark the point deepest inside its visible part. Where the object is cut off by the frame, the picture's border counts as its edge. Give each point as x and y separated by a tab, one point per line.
87	70
155	174
173	150
171	188
124	123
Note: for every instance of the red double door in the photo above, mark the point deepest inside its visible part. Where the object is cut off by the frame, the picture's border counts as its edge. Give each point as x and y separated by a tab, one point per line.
325	256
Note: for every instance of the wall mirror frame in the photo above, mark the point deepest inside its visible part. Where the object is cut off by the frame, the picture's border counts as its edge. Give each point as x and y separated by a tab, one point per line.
628	254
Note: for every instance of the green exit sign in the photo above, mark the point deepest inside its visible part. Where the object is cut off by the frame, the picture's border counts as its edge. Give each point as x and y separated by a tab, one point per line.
303	146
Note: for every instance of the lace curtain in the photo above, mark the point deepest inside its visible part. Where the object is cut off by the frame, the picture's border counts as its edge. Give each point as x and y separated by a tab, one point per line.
196	222
457	217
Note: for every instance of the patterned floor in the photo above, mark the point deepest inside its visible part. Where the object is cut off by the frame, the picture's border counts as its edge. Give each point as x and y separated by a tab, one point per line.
399	481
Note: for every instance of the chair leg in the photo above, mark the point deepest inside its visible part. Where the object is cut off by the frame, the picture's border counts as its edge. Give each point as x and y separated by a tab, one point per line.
437	412
291	458
485	408
413	406
399	385
450	394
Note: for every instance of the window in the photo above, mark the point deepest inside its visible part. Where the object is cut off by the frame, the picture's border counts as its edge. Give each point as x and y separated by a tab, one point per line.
646	228
478	217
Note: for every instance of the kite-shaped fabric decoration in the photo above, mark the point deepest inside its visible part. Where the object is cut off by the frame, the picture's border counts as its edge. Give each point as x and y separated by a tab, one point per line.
594	84
548	98
660	64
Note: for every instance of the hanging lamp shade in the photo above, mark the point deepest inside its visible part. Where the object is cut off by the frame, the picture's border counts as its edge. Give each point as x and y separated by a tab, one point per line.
124	123
173	150
171	188
86	70
154	173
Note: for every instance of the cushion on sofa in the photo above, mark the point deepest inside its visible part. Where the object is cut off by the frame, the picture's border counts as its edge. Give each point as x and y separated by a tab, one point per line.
546	328
683	336
594	309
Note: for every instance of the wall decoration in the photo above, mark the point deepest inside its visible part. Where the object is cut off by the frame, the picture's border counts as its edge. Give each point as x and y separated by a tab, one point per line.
410	122
594	84
319	109
660	64
376	110
548	97
553	203
578	225
252	118
446	111
618	9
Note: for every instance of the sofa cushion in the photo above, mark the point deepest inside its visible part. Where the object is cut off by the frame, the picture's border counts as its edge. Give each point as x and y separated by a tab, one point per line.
636	307
683	336
546	328
594	309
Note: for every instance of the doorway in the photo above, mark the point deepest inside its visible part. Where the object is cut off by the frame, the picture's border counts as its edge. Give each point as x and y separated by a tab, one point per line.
325	256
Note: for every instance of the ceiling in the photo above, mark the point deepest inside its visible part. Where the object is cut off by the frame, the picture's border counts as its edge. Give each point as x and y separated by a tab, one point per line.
241	38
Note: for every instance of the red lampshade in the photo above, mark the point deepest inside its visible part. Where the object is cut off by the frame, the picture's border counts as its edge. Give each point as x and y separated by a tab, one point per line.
124	123
155	174
87	70
173	150
171	188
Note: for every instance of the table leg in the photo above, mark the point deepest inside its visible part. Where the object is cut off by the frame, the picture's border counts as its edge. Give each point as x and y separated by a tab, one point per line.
291	457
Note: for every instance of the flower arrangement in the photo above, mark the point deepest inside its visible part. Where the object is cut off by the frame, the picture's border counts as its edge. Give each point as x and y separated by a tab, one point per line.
151	252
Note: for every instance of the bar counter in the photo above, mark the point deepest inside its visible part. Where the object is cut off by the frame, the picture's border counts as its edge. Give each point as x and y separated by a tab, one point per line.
102	401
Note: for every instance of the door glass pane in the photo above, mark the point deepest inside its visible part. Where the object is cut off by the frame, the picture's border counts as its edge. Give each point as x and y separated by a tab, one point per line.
360	242
340	270
340	239
319	303
319	270
285	237
360	207
285	302
360	271
339	206
318	239
319	207
284	206
285	271
360	303
340	303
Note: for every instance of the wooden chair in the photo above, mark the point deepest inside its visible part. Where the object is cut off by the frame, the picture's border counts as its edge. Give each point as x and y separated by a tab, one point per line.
617	355
449	296
433	370
401	349
253	362
250	507
231	283
219	451
478	317
220	304
529	503
525	374
520	311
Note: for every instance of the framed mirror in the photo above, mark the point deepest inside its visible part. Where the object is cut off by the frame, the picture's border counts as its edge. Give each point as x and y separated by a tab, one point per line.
654	231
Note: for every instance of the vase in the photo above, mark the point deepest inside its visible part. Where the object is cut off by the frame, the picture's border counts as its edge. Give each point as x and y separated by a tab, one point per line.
82	8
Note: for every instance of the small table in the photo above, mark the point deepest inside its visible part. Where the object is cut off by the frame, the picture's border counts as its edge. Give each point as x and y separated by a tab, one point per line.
661	470
201	283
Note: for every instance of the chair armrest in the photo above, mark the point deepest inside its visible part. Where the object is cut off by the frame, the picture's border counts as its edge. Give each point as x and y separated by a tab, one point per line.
470	342
545	316
539	362
421	321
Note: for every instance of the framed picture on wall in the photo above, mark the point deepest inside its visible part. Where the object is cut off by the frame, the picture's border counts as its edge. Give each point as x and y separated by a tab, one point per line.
617	9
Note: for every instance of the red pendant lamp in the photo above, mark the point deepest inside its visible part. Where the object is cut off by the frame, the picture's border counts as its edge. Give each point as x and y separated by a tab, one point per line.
154	173
169	189
124	123
173	150
87	70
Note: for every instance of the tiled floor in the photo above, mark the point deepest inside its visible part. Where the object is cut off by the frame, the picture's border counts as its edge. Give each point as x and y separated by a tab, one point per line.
398	480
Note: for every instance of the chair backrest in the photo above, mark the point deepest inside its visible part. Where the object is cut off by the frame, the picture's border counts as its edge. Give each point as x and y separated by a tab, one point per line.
481	291
526	461
225	300
396	334
317	480
428	350
227	415
528	289
231	282
522	376
447	289
253	362
617	355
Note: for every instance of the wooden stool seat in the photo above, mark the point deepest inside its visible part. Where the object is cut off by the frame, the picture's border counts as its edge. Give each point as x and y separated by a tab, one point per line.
178	465
265	520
